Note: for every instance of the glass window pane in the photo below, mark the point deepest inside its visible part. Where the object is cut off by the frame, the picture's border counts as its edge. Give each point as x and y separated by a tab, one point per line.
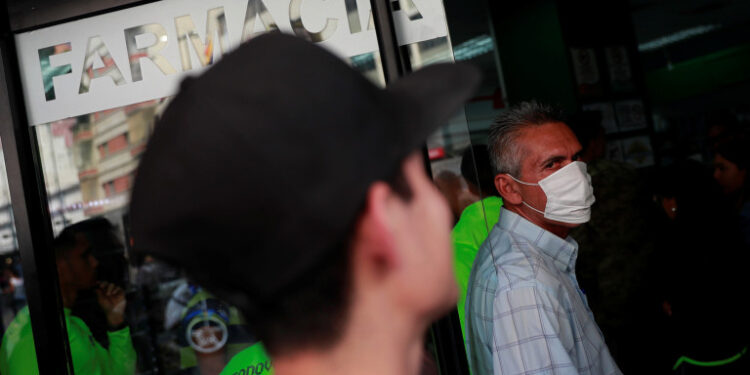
15	356
155	321
175	327
90	145
457	151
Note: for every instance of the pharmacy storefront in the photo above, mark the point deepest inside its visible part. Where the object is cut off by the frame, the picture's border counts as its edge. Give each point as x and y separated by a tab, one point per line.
83	84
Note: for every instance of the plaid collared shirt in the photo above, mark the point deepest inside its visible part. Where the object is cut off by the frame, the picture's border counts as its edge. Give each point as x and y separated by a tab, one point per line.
525	312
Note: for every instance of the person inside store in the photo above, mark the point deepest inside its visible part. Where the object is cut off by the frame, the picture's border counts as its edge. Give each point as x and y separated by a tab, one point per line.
15	288
698	277
476	220
455	191
77	272
731	159
721	126
290	186
615	247
111	267
525	312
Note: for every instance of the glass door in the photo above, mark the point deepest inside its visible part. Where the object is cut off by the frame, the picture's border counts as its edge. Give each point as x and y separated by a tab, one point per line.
14	312
94	89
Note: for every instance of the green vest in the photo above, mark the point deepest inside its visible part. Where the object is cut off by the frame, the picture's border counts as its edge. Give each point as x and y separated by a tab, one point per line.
18	355
472	229
251	361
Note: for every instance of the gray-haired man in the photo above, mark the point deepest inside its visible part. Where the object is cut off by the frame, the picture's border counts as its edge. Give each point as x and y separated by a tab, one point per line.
525	311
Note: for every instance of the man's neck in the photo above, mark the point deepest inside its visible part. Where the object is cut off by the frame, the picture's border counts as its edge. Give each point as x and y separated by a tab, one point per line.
536	219
375	342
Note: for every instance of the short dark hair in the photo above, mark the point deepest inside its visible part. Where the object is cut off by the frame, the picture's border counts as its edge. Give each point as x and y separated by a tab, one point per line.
312	311
735	149
476	169
98	231
505	152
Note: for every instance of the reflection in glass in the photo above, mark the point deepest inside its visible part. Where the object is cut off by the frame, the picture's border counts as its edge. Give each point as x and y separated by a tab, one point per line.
410	9
216	23
13	310
8	241
89	164
352	14
295	16
447	143
89	161
370	66
97	48
151	52
175	327
255	9
446	149
91	263
49	71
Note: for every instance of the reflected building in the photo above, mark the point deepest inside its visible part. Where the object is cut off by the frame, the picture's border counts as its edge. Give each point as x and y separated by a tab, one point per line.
8	242
107	148
90	161
63	191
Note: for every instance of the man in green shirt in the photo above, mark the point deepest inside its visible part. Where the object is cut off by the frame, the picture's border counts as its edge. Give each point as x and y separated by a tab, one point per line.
476	220
252	360
76	269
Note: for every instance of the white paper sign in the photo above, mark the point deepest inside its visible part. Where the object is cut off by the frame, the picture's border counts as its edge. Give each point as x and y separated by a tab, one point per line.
637	151
584	65
631	115
142	53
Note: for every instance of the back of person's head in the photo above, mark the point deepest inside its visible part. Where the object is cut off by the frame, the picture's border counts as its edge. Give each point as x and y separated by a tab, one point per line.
476	169
721	126
234	216
322	294
735	150
506	153
731	157
97	232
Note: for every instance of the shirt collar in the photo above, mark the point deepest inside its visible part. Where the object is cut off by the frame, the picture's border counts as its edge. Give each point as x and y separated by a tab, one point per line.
562	251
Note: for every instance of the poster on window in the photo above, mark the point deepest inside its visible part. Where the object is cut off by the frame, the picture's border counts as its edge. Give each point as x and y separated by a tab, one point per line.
614	151
630	115
586	70
609	123
637	151
620	73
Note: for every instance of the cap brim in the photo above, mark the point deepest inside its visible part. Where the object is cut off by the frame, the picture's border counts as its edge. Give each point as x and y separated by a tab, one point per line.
432	96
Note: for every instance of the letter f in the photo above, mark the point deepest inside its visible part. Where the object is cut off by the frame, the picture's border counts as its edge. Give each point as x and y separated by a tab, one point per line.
49	71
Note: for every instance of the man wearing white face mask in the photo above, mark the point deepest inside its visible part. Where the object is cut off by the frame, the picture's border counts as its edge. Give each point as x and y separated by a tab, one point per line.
525	311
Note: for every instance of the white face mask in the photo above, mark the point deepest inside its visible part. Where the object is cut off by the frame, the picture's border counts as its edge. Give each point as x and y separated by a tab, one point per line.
569	194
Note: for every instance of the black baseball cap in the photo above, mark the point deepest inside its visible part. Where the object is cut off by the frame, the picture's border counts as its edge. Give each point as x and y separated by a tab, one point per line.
260	165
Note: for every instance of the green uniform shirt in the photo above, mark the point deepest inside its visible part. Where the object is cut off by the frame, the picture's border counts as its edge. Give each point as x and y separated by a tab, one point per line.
471	230
251	361
18	356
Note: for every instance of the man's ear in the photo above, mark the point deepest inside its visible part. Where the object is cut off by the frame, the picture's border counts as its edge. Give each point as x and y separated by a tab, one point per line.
375	239
508	189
